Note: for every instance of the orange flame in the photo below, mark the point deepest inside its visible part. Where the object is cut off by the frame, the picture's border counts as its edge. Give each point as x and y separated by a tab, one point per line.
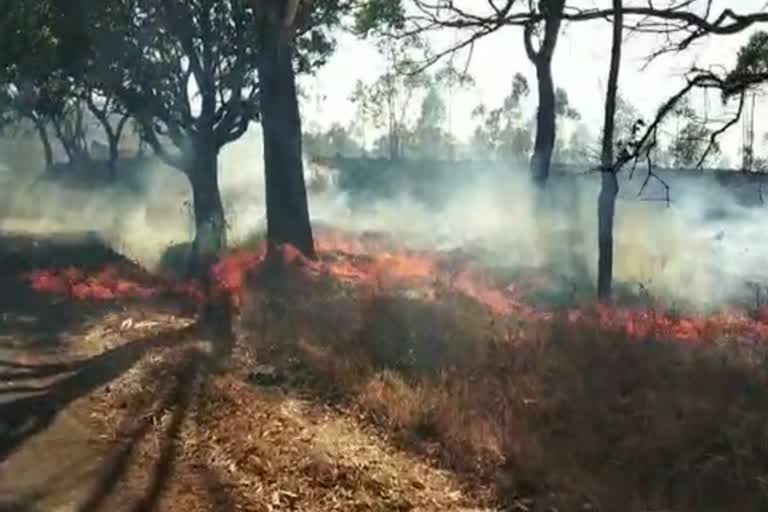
378	263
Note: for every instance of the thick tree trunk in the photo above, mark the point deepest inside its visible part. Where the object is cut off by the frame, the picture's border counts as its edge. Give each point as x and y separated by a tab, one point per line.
287	206
544	144
42	132
606	206
210	227
210	239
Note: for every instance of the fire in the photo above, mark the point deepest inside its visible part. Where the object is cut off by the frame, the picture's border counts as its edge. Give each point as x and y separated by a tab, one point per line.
109	283
378	264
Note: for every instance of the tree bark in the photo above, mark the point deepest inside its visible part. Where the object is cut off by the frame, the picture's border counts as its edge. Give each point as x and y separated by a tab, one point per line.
286	193
114	154
606	207
215	316
210	226
544	143
546	126
113	134
42	132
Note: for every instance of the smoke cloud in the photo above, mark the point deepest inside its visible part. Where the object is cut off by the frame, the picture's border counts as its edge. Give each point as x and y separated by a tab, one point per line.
702	250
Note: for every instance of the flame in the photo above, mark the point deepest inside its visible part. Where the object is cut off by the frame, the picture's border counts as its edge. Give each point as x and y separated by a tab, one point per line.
378	263
109	283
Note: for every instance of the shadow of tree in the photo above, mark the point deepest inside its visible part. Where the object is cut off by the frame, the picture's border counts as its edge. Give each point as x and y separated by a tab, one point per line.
26	416
176	396
173	388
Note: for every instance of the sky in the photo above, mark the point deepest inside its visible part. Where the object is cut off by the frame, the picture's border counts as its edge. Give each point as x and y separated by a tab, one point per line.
580	66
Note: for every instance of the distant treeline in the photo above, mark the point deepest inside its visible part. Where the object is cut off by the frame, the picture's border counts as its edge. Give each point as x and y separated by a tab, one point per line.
430	180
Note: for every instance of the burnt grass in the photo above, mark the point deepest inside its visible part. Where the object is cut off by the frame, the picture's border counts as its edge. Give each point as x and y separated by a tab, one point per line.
533	415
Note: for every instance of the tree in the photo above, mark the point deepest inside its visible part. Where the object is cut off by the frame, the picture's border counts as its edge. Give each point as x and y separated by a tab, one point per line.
610	185
564	111
336	140
502	131
289	31
69	125
185	71
363	110
388	100
106	109
430	138
747	74
550	12
25	101
690	143
563	108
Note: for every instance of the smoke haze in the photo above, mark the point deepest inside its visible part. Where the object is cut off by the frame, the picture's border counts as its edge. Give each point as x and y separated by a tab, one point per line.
701	250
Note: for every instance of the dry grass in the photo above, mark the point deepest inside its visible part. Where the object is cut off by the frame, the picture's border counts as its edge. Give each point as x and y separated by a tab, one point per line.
552	417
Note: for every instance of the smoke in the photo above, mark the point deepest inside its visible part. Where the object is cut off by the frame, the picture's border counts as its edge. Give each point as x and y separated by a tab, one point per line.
701	250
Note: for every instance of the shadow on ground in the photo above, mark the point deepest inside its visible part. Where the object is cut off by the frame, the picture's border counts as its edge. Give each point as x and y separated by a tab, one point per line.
170	390
41	385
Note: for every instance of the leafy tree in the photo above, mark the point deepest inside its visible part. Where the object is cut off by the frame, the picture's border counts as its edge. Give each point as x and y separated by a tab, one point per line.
563	108
70	127
363	112
185	71
388	100
690	144
336	140
502	131
24	100
112	117
752	58
430	139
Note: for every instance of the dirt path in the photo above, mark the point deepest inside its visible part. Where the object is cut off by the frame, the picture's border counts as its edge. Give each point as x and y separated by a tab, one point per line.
53	469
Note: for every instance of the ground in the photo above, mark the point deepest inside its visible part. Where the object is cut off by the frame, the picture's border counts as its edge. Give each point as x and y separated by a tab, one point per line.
365	381
121	406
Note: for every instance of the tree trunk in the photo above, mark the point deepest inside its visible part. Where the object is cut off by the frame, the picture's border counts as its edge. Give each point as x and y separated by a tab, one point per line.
545	124
57	129
394	145
113	156
42	132
210	240
287	207
606	207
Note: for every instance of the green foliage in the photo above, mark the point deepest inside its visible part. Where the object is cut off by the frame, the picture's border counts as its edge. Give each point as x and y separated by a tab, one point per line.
388	100
315	41
753	57
563	107
502	132
689	146
751	68
379	15
336	140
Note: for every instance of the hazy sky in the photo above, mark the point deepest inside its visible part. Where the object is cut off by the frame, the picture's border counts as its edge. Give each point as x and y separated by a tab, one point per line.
580	65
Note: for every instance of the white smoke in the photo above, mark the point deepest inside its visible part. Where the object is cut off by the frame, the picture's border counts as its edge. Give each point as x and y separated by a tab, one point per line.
687	252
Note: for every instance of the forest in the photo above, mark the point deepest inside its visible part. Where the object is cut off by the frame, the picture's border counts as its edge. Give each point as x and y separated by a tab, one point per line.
420	255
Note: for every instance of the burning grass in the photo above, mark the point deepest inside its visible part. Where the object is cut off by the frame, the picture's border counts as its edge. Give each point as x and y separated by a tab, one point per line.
592	408
550	414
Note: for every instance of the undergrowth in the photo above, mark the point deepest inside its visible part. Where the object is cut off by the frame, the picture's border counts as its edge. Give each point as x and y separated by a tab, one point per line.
551	416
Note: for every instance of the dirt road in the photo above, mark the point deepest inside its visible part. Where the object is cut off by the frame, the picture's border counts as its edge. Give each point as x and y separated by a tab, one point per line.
56	469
